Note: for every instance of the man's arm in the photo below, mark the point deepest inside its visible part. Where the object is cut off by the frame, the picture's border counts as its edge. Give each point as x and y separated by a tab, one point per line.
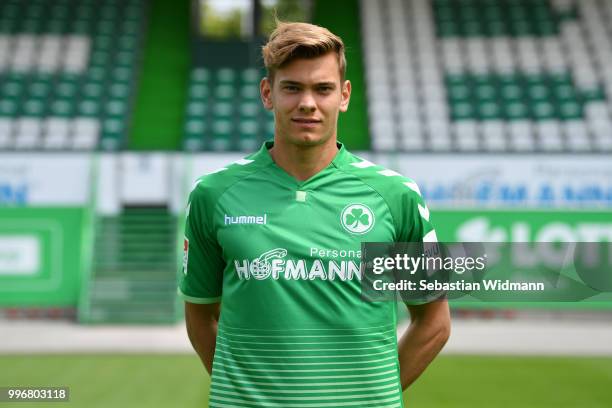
428	332
201	323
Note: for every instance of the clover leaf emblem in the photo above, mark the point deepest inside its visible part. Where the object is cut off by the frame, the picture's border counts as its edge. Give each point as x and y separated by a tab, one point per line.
356	217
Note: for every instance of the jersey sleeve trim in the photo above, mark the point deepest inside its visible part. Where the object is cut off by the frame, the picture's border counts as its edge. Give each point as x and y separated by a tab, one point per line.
198	300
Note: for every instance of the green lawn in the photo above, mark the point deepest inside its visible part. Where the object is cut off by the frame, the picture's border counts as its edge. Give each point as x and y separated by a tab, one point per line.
452	381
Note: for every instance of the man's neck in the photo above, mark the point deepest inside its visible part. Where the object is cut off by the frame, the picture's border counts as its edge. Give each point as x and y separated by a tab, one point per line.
303	162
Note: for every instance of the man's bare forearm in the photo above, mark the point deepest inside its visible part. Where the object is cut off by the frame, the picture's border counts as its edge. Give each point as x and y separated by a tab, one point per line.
202	323
420	344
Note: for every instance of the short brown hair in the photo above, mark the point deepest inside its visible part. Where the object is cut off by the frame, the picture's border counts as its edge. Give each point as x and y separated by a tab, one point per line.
290	41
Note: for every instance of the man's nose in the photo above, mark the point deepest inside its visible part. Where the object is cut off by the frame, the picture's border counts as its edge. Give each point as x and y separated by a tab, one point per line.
307	103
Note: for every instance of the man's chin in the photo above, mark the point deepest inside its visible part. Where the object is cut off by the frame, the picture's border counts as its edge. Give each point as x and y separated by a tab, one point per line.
307	139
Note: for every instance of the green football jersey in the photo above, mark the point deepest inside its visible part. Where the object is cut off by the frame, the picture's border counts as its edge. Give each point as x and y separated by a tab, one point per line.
283	257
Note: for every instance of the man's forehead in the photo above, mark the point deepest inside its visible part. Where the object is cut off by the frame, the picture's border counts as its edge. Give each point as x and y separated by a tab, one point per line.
323	69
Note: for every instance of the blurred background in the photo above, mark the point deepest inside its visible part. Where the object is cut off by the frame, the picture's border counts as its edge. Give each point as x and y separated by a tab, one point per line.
500	110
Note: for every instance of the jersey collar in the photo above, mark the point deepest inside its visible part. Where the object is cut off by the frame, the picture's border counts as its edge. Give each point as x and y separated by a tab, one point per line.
264	154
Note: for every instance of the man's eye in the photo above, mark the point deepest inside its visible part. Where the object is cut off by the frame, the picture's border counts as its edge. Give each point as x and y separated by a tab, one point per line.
325	89
291	88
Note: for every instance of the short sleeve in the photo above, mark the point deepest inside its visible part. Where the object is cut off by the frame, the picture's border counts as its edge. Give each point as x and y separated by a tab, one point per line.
416	225
202	271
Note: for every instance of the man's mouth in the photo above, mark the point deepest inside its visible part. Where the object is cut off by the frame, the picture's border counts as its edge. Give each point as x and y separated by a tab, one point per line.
306	120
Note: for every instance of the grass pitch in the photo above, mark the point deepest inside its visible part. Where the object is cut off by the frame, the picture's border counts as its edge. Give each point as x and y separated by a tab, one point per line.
151	381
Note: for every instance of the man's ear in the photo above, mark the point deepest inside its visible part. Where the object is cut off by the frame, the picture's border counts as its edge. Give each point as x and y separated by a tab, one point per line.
265	90
345	96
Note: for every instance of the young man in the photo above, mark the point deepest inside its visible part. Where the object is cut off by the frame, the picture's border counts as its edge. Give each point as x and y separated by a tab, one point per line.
272	253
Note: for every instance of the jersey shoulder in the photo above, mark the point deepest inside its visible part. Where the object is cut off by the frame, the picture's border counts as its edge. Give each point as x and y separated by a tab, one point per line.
401	194
211	186
391	185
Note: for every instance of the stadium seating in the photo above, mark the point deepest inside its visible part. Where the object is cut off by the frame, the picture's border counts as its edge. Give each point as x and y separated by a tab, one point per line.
491	76
67	72
224	110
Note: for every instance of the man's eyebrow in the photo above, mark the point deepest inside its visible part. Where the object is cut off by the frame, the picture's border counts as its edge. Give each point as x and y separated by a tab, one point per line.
331	84
289	82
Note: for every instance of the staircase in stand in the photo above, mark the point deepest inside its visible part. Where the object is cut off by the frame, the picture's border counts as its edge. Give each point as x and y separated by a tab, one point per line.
134	269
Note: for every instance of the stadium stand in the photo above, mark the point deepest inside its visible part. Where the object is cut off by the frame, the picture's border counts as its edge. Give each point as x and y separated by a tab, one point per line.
68	70
224	111
491	76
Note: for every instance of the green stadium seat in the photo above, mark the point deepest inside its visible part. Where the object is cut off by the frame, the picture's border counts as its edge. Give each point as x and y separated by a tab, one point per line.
57	27
489	110
225	92
473	29
39	89
62	108
249	92
116	108
108	13
200	76
121	75
462	110
66	89
127	42
8	108
34	107
248	135
543	110
119	91
250	76
92	90
194	134
496	28
31	25
105	27
492	12
570	110
12	89
538	93
198	92
221	135
130	28
226	75
459	93
249	110
511	92
223	110
196	109
88	108
564	93
516	110
486	92
593	94
100	58
124	59
448	29
112	131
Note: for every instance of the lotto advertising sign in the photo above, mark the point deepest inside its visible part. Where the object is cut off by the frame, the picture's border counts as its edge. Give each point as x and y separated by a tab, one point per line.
522	225
535	226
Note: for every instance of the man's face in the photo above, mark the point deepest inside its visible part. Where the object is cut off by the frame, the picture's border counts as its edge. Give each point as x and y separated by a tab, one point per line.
306	97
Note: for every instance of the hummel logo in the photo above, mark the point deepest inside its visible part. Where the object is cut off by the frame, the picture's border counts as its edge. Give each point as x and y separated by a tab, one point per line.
246	219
